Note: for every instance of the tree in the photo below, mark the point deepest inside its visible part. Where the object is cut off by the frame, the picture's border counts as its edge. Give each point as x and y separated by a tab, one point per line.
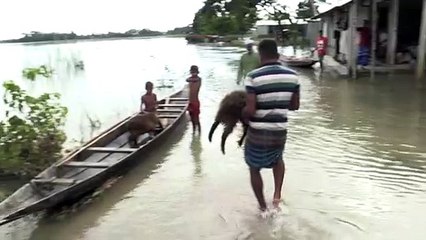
308	8
277	12
225	17
244	13
31	135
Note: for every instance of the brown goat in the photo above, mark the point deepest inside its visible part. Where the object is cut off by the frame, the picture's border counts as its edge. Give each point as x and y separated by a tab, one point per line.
140	124
229	114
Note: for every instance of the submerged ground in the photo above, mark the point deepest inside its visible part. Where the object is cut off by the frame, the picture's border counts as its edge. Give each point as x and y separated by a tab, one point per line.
356	153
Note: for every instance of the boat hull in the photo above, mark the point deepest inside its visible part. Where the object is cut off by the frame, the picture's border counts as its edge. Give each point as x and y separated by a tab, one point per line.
81	188
300	64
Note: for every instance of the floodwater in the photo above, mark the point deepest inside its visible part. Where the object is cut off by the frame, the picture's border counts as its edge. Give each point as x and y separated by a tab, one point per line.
355	157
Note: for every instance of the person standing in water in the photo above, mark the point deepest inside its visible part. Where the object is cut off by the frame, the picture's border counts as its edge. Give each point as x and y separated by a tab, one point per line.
248	62
194	103
321	48
272	90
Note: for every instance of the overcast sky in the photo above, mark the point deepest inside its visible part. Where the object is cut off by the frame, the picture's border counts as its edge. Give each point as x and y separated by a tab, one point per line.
95	16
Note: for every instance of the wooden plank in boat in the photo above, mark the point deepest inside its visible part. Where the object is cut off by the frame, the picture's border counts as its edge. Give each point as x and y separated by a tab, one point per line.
78	164
168	116
178	99
100	138
111	150
169	110
59	181
171	105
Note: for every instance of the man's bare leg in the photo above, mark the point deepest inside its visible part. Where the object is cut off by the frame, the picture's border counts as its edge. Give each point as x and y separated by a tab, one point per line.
257	185
199	126
193	121
197	123
278	171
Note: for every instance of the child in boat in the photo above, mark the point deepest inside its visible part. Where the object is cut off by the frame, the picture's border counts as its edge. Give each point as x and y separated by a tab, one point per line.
194	82
149	100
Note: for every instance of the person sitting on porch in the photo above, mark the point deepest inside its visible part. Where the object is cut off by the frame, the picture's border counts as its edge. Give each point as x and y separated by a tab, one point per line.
364	44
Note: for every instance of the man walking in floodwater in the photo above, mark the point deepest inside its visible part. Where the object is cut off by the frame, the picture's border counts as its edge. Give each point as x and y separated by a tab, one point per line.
272	90
321	48
248	62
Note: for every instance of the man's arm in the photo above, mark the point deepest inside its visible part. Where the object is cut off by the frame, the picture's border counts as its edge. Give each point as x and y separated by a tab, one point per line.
250	108
295	99
240	71
142	103
155	100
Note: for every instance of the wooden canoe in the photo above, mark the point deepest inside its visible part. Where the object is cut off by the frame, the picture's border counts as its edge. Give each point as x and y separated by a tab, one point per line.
91	165
301	62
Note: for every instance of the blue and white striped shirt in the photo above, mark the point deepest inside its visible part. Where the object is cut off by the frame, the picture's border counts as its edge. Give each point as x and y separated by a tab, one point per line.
274	86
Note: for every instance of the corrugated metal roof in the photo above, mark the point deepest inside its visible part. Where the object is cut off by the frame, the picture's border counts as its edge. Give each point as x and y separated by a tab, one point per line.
338	4
275	23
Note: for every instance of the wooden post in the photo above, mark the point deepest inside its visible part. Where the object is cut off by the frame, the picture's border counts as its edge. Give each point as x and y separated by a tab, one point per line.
353	14
373	37
422	45
393	19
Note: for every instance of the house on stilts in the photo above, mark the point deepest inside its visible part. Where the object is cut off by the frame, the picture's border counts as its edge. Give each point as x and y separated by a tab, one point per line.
396	29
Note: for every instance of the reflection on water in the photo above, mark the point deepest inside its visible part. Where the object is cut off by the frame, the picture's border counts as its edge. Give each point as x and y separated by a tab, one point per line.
355	158
196	150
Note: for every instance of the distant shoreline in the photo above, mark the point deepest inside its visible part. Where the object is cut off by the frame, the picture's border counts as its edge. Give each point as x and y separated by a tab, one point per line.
89	39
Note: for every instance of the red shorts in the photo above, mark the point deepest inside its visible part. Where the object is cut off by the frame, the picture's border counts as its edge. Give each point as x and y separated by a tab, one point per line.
194	108
321	52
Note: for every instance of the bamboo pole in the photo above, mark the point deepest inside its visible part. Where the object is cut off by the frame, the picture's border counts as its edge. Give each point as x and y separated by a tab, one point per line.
393	19
373	37
353	25
422	45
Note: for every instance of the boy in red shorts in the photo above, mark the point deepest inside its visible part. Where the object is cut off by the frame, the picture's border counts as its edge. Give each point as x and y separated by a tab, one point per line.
194	103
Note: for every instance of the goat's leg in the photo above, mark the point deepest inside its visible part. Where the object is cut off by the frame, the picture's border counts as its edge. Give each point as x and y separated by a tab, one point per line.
245	128
133	140
228	130
212	129
160	125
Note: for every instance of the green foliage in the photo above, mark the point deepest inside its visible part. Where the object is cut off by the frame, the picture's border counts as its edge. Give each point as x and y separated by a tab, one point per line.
40	37
180	30
31	135
32	73
278	12
308	8
220	17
